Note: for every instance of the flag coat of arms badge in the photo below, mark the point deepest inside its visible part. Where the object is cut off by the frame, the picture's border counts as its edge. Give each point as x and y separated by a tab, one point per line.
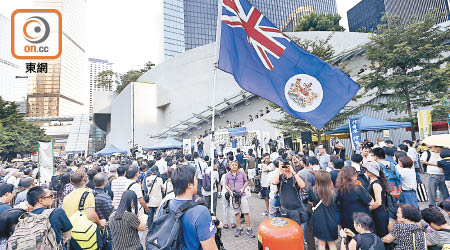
267	63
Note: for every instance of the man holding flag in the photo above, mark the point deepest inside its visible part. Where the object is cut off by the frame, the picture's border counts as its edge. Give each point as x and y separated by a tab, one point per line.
265	62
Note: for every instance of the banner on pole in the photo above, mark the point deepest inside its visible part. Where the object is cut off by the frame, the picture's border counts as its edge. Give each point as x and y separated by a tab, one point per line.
45	162
187	146
355	132
424	120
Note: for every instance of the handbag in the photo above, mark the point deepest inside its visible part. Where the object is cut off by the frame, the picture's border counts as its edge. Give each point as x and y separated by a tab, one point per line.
303	215
84	231
422	195
147	195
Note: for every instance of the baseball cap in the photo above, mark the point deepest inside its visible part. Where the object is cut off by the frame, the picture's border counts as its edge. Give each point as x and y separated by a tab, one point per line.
372	167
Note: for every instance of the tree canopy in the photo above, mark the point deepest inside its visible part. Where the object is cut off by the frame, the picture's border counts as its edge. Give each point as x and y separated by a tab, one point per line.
132	76
319	22
17	136
408	62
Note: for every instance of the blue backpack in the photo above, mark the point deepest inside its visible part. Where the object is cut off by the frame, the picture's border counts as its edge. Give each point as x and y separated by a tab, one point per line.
393	178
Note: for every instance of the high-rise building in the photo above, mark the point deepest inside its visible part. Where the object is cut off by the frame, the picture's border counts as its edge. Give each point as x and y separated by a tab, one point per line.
95	67
64	89
367	14
9	66
13	82
192	23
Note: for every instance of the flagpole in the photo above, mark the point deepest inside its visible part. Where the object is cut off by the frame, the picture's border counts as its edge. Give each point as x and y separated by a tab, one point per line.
216	60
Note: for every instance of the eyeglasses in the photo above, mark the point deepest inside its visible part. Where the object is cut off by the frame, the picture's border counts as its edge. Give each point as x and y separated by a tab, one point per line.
48	196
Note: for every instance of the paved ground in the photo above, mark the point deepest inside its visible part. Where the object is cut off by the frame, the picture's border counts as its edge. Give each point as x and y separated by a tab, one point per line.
257	208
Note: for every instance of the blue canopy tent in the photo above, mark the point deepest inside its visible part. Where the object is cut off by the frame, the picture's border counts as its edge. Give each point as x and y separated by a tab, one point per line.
110	149
168	143
368	123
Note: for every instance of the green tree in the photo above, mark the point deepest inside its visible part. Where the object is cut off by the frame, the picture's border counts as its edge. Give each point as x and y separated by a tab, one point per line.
293	126
406	62
132	76
106	79
17	136
319	22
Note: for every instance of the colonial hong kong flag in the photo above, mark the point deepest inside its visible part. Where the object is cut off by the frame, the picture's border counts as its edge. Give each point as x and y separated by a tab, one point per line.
265	62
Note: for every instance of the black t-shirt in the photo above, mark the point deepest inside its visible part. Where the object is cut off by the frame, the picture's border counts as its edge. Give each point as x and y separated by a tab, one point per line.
445	165
367	240
200	145
340	152
289	193
334	174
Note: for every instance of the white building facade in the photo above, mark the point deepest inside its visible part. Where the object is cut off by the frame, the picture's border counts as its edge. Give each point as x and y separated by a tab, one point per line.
95	67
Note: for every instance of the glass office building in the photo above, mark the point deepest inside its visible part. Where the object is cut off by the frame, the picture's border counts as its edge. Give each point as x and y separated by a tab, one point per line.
64	89
192	23
367	14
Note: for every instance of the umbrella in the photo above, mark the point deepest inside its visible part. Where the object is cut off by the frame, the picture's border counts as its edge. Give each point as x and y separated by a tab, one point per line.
117	154
438	140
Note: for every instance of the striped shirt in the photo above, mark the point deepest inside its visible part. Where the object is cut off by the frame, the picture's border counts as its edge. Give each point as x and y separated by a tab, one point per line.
124	232
118	186
103	204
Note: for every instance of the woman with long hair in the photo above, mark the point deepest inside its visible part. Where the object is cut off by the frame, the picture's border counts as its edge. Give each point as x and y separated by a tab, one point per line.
377	190
324	220
351	197
125	223
65	187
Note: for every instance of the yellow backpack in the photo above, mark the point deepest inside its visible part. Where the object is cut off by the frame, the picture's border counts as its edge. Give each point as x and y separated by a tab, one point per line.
84	231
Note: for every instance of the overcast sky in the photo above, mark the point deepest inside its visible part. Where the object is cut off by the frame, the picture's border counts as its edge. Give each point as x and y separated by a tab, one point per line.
123	33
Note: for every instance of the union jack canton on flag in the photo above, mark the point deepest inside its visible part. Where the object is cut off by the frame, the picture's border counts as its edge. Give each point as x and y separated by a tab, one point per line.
265	62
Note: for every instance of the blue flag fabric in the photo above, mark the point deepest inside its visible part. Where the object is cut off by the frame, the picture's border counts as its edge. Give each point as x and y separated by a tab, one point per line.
355	133
265	62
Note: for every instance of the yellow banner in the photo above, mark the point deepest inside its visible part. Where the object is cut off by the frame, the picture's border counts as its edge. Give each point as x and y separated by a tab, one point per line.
424	120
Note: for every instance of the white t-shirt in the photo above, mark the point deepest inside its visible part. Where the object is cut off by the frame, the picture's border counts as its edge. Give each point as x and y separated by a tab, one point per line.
356	166
274	156
434	158
273	188
222	183
136	188
162	166
155	197
264	175
215	177
408	175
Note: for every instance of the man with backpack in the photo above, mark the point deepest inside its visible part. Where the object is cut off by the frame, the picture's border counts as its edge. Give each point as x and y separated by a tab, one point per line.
40	199
200	165
154	187
194	228
222	169
357	160
81	201
206	186
392	176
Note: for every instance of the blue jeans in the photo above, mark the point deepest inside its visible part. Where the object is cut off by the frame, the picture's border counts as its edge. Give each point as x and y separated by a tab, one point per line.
436	181
199	187
409	197
151	214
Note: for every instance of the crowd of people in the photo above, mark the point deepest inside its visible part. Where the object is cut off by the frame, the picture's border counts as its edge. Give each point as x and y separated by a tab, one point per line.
368	201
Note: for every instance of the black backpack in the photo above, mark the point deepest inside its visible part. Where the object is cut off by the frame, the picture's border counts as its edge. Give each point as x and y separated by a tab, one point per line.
166	232
222	168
